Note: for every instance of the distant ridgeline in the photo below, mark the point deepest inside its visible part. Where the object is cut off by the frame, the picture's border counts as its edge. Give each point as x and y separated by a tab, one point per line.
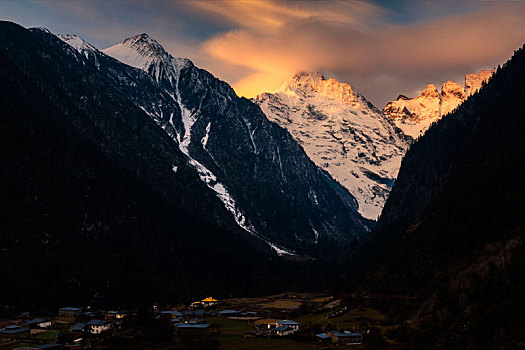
451	236
149	180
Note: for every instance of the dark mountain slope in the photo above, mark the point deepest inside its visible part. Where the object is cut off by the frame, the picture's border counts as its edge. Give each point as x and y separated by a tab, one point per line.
451	235
91	207
274	190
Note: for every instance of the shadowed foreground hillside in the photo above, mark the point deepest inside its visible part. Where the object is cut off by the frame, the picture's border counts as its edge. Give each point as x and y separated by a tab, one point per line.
451	235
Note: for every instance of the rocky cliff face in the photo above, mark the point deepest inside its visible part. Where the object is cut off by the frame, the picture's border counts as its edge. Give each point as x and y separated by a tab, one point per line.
415	115
342	133
474	81
452	95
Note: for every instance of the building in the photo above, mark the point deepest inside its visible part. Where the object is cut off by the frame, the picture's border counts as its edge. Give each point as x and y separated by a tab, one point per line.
193	313
42	346
14	332
98	326
346	338
228	313
172	314
193	329
48	346
68	314
37	323
209	301
79	327
283	331
324	338
265	324
115	314
69	311
88	314
288	323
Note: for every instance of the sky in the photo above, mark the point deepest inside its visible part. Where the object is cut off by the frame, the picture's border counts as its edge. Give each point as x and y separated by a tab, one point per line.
381	48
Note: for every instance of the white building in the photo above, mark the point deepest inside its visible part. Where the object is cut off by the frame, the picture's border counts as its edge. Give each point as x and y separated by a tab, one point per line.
288	323
98	326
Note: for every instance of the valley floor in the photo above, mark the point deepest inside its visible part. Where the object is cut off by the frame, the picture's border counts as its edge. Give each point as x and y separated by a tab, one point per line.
240	323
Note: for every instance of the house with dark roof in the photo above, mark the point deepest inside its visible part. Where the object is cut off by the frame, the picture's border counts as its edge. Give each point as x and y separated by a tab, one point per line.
283	331
37	323
194	313
227	313
171	314
346	338
14	332
68	314
79	327
288	323
193	329
48	346
265	324
192	325
323	338
69	311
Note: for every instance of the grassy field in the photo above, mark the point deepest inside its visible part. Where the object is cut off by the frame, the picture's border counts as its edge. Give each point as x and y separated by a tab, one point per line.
235	334
267	343
232	337
353	318
282	304
48	335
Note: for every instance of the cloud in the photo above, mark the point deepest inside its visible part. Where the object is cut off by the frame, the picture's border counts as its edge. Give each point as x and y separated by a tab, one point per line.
381	48
359	46
271	16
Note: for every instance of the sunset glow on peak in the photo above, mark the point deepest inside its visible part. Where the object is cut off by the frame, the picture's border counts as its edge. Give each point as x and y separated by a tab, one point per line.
381	48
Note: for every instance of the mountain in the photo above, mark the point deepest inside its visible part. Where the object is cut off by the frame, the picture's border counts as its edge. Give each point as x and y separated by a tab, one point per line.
98	204
256	169
415	115
449	244
342	133
126	183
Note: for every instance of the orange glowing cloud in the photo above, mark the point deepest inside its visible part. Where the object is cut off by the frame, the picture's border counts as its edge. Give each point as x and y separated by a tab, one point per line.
352	43
382	49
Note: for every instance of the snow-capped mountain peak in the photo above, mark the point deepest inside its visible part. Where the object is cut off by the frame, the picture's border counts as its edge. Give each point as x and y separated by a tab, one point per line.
342	133
430	92
77	43
143	52
80	46
305	84
474	81
452	95
225	137
415	115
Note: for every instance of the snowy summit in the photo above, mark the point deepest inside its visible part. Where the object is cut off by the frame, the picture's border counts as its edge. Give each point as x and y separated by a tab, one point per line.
342	133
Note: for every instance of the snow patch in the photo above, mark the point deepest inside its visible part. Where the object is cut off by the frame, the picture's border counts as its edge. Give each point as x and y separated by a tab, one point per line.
222	193
316	235
279	250
204	140
76	42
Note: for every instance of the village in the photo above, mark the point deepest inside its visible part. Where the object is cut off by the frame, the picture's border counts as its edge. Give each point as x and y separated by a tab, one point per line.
284	321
